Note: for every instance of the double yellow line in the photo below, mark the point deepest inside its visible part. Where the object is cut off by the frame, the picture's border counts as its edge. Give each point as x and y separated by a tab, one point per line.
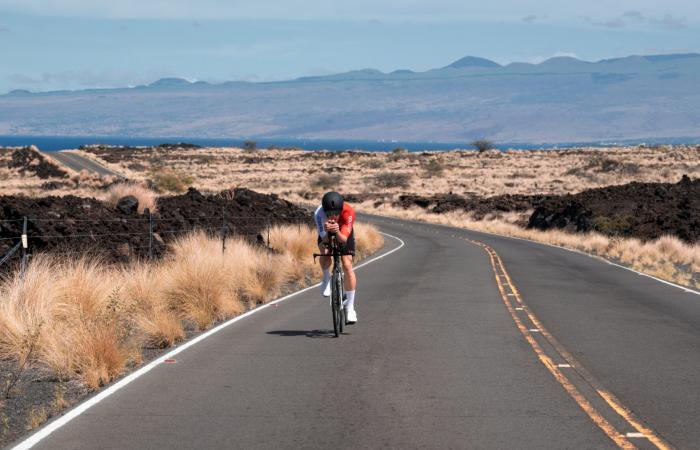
514	303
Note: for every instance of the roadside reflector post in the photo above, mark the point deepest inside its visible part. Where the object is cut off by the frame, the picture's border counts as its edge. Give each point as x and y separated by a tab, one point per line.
223	229
268	233
150	233
25	246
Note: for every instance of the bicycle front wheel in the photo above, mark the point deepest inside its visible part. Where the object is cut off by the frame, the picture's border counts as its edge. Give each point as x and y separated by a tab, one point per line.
336	307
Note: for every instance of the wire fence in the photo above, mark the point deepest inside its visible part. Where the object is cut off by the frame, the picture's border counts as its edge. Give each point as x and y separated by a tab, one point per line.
125	238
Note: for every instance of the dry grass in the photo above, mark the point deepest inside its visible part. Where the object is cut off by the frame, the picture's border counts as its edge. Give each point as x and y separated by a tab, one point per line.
290	172
200	284
145	196
89	321
668	257
300	243
171	180
36	417
144	287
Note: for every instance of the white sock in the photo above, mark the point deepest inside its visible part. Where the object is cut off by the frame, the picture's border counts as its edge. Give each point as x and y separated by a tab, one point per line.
350	302
326	276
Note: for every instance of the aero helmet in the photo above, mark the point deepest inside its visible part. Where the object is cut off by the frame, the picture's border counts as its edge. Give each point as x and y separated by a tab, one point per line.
332	203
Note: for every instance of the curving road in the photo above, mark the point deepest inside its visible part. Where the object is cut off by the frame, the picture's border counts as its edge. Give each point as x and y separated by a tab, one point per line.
78	163
459	345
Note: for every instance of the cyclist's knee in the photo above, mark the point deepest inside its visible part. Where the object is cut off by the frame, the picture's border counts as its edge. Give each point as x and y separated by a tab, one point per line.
347	263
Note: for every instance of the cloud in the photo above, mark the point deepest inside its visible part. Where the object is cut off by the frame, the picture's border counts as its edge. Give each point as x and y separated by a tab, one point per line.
4	29
529	19
73	79
667	21
539	58
633	15
617	22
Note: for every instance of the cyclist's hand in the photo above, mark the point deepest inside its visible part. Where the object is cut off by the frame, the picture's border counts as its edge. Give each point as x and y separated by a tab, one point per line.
331	226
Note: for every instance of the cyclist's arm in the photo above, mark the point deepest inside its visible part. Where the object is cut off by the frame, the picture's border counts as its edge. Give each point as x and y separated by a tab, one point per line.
347	221
320	218
342	238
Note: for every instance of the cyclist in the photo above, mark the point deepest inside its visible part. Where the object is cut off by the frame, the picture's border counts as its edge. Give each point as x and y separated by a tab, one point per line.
334	216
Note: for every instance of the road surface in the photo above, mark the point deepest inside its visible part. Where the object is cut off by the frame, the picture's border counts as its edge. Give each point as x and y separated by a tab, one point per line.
79	163
512	345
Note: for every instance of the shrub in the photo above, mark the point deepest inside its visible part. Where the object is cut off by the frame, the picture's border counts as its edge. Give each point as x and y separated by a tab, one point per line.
250	145
617	225
434	168
326	181
374	164
145	196
392	180
171	180
482	145
609	165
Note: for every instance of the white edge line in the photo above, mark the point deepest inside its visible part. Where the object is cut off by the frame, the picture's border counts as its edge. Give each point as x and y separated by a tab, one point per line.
89	403
607	261
669	283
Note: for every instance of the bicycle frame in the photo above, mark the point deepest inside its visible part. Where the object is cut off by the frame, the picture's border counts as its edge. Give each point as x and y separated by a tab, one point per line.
337	285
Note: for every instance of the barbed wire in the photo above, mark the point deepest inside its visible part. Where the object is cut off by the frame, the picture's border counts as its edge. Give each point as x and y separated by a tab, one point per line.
227	226
162	219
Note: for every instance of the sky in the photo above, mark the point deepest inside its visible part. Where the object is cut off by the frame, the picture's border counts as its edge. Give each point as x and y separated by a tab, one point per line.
75	44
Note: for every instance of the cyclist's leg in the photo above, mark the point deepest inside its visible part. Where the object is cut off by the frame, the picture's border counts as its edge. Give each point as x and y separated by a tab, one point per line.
348	252
350	285
350	280
325	262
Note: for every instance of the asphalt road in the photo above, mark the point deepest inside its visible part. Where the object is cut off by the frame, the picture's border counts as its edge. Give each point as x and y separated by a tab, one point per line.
435	361
78	163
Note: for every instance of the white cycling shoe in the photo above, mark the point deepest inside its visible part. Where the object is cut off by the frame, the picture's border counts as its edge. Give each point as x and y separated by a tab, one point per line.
350	316
326	290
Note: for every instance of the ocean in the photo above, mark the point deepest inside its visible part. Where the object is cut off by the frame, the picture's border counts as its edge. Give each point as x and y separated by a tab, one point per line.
56	143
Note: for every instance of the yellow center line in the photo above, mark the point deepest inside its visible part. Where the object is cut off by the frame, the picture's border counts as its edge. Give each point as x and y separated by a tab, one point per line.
620	439
614	403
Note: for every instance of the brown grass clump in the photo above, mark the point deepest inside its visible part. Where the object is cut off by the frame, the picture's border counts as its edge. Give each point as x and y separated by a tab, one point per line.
299	242
200	284
91	334
82	319
144	286
27	305
83	326
326	181
367	240
392	180
171	180
145	196
36	417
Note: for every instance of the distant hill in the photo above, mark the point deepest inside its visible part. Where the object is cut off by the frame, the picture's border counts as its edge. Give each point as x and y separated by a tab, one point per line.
473	61
562	99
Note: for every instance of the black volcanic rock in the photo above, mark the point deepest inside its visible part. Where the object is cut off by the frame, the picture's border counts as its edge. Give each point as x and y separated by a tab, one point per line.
643	210
77	224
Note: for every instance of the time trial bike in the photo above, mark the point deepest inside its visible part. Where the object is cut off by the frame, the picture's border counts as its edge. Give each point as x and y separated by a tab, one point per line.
337	285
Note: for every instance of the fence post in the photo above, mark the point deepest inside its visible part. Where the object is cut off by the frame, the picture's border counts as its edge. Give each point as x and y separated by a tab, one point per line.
223	229
25	246
150	234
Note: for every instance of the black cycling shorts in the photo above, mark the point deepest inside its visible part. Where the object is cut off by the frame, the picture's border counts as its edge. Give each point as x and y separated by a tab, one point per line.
349	247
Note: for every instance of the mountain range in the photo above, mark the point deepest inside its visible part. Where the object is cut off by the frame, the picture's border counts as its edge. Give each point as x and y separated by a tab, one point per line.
562	99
